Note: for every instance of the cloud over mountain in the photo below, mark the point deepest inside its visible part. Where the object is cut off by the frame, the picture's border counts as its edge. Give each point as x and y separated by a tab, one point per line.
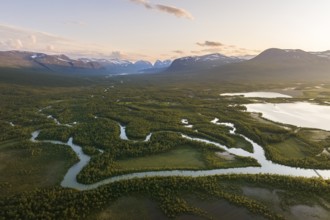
145	3
24	39
178	12
217	47
17	38
178	51
210	44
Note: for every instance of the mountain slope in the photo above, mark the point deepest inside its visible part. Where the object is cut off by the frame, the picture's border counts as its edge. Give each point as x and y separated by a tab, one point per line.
17	59
324	54
193	63
30	61
162	64
63	64
117	66
277	64
272	64
286	56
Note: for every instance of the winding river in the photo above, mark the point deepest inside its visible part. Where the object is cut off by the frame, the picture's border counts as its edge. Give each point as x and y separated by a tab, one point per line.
267	166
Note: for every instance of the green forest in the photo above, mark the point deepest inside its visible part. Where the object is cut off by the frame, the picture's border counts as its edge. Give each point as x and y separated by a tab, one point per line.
91	111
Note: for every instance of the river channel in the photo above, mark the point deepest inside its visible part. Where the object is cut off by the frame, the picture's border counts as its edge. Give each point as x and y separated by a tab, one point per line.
267	166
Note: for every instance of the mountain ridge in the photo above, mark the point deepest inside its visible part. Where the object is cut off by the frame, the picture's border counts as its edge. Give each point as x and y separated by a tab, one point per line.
273	63
208	61
65	65
277	64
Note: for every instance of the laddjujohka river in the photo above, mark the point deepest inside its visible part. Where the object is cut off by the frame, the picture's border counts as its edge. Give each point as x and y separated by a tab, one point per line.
267	166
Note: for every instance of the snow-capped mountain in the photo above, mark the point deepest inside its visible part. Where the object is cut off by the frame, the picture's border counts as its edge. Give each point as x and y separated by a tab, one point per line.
275	61
162	64
288	56
117	66
46	63
277	65
65	64
106	61
201	62
324	54
141	64
62	63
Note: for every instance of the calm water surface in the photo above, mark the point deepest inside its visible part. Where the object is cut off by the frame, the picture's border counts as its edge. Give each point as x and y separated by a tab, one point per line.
258	95
301	114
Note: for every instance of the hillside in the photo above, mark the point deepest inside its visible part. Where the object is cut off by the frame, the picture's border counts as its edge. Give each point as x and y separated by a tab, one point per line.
62	64
193	63
271	65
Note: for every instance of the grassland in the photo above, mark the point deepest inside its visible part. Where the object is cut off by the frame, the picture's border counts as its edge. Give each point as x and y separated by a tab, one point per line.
292	148
26	166
183	157
137	207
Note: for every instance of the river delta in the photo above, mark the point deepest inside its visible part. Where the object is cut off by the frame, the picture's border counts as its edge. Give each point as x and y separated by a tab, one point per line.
195	137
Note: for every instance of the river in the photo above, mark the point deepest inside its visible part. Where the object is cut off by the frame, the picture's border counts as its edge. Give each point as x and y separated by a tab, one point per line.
267	166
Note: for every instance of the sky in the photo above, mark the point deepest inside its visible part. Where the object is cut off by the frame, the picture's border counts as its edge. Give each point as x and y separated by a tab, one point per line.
163	29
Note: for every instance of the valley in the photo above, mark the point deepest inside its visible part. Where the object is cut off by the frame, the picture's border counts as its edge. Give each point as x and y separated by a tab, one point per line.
161	110
146	143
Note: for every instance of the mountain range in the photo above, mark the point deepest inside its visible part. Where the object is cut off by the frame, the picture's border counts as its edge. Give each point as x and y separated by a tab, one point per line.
193	63
64	64
286	64
279	64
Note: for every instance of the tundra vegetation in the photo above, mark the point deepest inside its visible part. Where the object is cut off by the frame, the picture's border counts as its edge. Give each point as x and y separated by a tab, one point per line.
90	111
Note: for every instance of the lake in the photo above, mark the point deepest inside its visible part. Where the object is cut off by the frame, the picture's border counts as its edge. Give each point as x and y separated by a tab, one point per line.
300	114
258	95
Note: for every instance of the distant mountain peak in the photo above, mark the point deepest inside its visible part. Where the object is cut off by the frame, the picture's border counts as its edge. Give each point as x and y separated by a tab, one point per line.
143	62
277	51
286	55
268	63
38	55
323	54
201	62
162	64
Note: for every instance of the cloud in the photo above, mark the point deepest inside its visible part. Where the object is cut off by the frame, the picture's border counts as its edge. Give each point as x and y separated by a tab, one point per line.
178	51
15	44
19	44
116	55
178	12
210	44
145	3
50	47
174	11
33	39
16	38
217	47
196	52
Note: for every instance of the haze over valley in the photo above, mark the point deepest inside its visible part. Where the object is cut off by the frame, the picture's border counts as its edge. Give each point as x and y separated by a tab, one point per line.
163	109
